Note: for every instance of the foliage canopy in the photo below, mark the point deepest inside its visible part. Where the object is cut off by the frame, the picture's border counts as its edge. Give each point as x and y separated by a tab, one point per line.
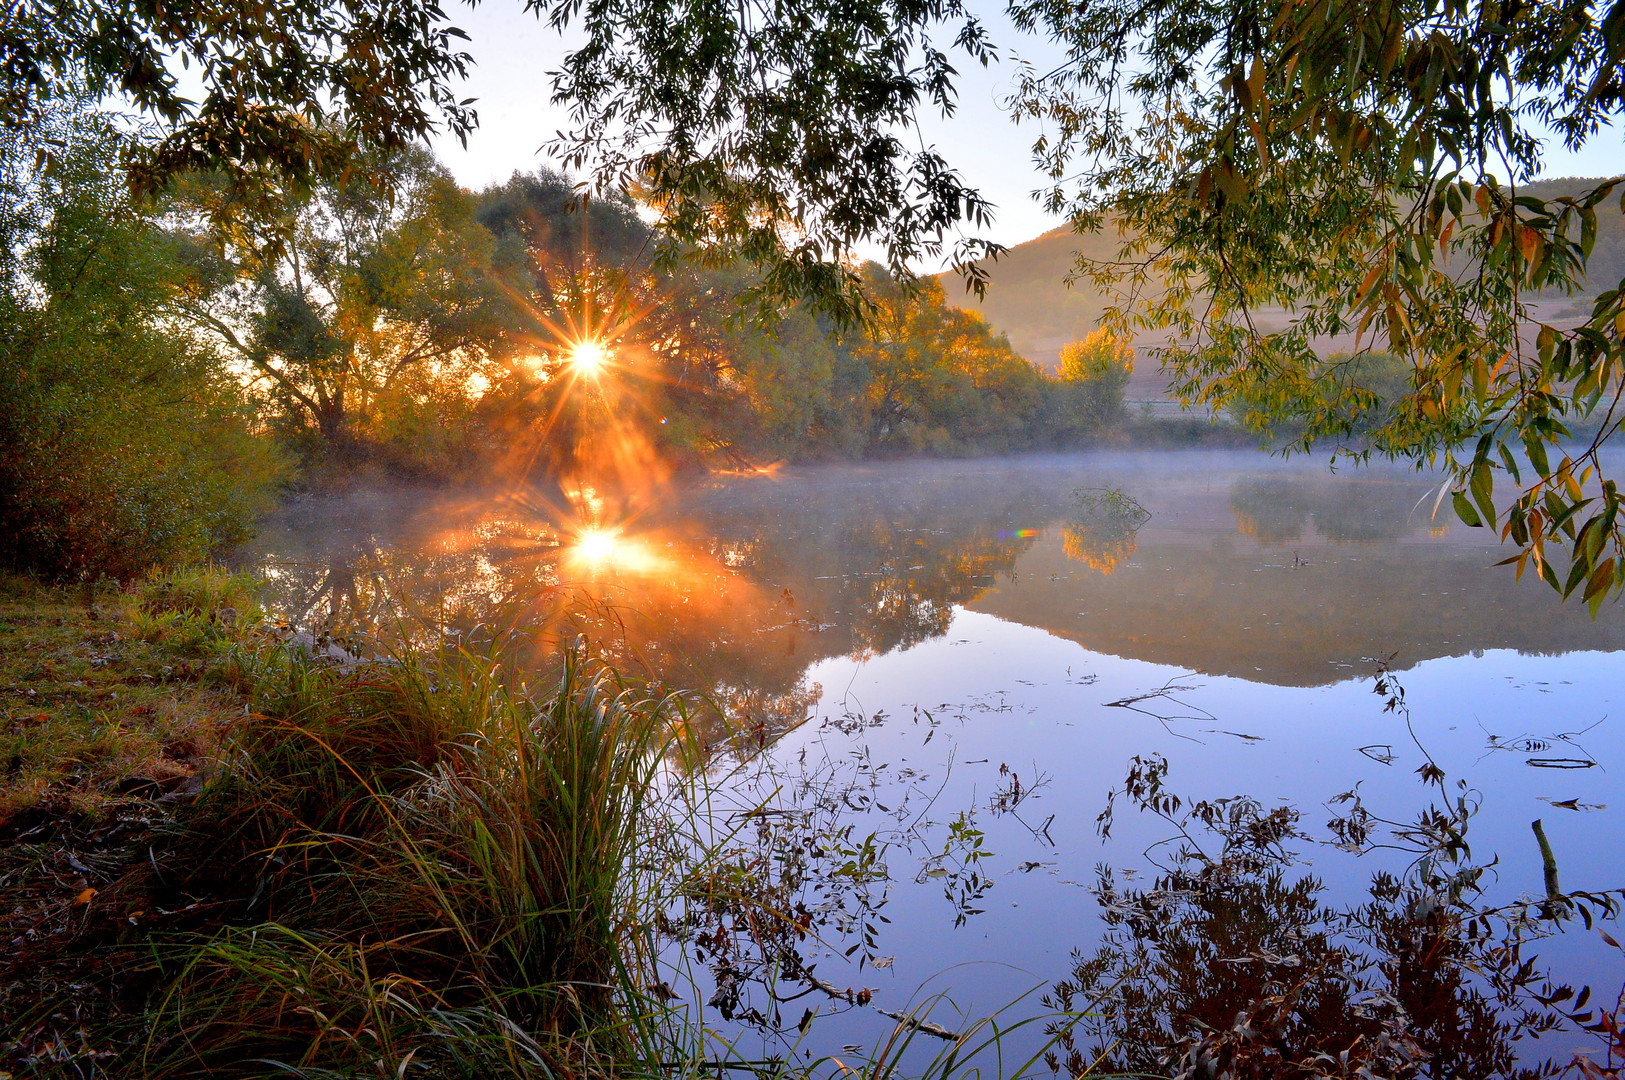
777	132
363	307
124	440
288	89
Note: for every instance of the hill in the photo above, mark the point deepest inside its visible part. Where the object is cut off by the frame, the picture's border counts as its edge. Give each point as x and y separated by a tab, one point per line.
1029	300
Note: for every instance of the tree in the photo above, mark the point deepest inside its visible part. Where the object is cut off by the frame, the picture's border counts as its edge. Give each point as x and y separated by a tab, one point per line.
777	133
125	441
365	308
290	89
938	378
1357	163
591	281
919	376
1361	164
1094	373
803	390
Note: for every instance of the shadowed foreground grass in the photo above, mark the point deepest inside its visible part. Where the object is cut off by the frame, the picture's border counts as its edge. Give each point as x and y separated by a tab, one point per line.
405	863
225	856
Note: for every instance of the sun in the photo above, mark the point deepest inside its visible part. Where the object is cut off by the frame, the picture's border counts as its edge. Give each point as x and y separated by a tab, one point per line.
596	546
587	357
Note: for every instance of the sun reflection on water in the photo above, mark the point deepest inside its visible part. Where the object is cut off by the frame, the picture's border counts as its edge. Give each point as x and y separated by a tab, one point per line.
596	549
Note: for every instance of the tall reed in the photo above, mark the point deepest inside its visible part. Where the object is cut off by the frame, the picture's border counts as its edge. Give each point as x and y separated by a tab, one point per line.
426	853
413	865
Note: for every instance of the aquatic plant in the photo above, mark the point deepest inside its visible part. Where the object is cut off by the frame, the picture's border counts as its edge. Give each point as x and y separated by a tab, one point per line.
1103	527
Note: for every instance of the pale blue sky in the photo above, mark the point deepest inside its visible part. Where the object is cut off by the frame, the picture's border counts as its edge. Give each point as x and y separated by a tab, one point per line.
514	51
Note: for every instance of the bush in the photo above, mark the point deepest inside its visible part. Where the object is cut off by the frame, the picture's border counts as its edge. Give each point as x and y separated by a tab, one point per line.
1093	375
415	850
124	442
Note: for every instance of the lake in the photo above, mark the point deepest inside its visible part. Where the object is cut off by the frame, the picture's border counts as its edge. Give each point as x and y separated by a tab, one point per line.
947	666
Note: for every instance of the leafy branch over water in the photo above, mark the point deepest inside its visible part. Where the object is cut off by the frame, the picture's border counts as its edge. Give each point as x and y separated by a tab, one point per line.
1103	528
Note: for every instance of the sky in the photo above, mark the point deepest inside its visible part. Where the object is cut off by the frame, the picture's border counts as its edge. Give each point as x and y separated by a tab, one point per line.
514	52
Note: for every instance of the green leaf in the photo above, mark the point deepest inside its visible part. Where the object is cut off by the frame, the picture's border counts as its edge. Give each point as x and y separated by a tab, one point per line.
1592	537
1511	464
1482	485
1465	511
1549	576
1535	449
1518	526
1601	578
1577	574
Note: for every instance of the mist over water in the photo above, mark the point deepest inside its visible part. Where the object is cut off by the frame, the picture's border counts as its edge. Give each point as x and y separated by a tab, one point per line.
976	638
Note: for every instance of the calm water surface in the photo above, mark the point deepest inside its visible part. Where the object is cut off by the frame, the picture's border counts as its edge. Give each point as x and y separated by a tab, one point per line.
943	639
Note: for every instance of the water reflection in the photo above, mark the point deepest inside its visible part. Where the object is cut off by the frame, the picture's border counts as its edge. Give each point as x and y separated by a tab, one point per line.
738	605
1278	510
1235	962
982	652
1220	565
1103	528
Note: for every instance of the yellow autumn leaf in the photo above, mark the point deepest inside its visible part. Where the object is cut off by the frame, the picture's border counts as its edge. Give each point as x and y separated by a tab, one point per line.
1528	242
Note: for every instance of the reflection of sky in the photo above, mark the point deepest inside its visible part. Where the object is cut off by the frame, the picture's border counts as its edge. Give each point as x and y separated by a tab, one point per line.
1016	696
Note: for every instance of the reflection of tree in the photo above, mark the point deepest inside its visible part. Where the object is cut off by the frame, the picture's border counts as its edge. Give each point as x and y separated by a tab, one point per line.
1277	510
1230	965
759	716
787	879
346	564
737	601
922	576
1247	972
1104	528
737	607
875	574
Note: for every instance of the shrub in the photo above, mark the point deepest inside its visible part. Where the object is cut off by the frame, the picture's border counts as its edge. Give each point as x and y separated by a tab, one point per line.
124	443
416	851
1094	373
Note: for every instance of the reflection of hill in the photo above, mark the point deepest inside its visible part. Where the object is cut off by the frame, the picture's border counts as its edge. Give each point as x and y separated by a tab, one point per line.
1227	608
1282	509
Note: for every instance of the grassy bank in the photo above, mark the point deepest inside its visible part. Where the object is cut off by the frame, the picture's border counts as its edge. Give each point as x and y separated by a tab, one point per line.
224	856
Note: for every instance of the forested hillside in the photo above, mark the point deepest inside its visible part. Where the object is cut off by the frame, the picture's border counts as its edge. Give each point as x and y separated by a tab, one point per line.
1029	298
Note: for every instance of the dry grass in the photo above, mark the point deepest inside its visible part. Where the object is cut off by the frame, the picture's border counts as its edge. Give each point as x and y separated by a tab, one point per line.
110	720
221	850
105	706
